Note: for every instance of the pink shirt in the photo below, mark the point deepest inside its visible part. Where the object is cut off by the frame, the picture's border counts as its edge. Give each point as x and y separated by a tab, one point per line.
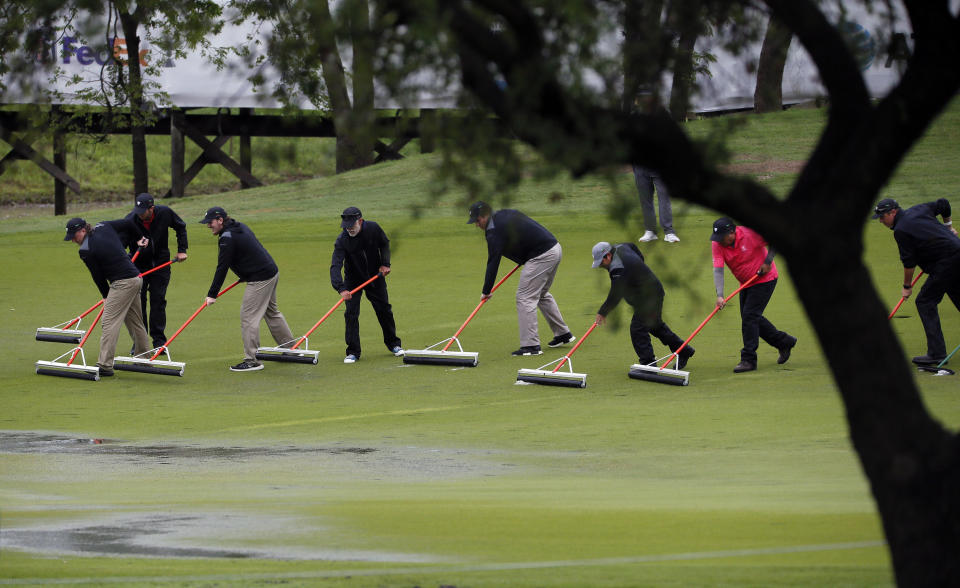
745	257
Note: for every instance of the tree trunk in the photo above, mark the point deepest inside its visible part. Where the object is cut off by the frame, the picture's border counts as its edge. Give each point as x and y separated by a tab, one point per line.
768	95
134	91
362	114
643	47
683	74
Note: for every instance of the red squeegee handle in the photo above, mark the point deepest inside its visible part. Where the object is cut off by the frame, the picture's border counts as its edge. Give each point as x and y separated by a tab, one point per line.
329	312
477	309
85	335
897	307
163	347
577	346
92	308
706	320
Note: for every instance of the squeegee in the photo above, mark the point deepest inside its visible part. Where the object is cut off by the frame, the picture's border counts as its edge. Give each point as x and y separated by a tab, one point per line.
678	377
444	356
555	377
902	298
152	365
290	351
68	369
65	333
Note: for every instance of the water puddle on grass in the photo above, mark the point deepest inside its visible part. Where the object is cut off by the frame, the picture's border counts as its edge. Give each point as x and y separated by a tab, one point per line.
74	465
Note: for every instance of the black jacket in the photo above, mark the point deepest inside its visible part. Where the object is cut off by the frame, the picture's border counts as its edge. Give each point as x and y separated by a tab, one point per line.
631	280
157	251
922	239
517	237
106	257
241	252
360	257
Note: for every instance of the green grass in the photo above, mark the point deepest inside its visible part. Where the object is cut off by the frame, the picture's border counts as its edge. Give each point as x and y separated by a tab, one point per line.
427	476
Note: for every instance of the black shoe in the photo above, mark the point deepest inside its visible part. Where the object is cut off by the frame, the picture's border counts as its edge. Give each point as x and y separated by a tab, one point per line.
785	351
246	366
561	339
529	350
744	366
105	372
927	360
685	354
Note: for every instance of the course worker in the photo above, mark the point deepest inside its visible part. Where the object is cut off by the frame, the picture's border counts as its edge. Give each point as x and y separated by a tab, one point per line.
647	181
632	280
155	222
746	253
360	252
933	246
104	253
514	235
241	252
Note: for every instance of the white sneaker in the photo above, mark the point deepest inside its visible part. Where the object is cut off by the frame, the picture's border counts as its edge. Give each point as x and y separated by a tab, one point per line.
350	359
397	351
671	238
648	236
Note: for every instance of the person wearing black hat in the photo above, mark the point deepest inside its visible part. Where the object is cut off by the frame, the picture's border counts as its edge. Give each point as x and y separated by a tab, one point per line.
632	280
514	235
933	246
746	253
240	251
360	252
155	222
104	253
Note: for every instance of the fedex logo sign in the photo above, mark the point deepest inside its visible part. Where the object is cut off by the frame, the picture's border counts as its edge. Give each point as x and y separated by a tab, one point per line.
73	50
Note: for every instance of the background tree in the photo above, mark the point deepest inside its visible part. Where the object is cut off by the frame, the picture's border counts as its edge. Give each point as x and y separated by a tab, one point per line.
526	61
768	95
305	45
114	29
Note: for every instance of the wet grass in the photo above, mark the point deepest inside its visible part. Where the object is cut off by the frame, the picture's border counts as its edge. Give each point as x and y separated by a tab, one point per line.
471	480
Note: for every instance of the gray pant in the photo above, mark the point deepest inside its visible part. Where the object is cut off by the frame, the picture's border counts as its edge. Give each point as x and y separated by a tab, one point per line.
260	302
533	292
122	306
647	180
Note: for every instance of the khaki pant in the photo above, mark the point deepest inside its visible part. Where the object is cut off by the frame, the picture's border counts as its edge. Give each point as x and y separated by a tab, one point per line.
260	302
122	306
534	292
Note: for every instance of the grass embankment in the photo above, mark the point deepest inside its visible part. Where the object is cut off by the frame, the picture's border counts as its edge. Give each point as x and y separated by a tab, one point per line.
379	474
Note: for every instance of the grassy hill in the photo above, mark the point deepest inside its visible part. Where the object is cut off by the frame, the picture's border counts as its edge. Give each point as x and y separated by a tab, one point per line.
381	474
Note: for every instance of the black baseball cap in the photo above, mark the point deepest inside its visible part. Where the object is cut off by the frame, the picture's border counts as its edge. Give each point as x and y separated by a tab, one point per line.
477	209
349	216
143	203
721	227
74	225
885	206
212	213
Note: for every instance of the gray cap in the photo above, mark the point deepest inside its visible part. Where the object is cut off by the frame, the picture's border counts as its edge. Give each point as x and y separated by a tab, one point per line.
599	250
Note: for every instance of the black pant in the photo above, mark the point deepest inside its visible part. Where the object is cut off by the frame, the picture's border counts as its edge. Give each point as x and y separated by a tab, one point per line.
931	294
647	320
376	293
754	326
155	285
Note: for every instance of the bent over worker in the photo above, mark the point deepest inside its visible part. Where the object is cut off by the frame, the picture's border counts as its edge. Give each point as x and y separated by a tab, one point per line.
361	251
514	235
933	246
746	254
118	280
241	252
632	280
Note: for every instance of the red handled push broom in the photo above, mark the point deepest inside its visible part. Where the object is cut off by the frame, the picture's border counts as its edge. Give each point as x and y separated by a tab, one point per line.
152	365
444	356
678	377
68	369
293	353
555	377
